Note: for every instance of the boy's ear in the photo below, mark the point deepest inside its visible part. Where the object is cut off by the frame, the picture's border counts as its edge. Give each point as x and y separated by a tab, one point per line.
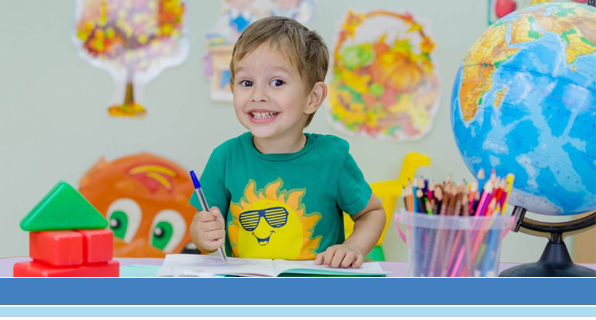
316	97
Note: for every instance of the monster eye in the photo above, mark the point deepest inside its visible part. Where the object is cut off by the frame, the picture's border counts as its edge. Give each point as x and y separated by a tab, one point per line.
124	217
167	230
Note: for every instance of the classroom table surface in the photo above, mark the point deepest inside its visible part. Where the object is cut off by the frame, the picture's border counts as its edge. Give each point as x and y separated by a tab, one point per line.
397	269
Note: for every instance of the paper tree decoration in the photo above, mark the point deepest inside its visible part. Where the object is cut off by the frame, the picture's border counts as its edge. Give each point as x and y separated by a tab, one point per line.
134	40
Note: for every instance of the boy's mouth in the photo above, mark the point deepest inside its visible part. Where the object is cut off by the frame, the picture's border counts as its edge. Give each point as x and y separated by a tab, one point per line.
262	117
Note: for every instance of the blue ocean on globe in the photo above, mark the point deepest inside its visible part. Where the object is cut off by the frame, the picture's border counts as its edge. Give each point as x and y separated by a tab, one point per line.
537	121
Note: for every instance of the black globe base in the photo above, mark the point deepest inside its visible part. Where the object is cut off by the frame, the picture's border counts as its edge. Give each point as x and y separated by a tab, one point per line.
554	262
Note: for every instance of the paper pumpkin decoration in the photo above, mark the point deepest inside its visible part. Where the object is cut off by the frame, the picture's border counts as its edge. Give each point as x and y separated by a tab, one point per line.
384	83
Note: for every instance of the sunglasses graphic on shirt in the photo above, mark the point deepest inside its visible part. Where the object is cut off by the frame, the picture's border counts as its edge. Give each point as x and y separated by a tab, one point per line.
275	217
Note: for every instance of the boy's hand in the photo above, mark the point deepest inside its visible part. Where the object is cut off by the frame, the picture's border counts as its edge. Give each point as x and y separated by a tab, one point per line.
341	255
208	230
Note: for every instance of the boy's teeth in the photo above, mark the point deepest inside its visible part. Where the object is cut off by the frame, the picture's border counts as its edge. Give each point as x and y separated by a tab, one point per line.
263	115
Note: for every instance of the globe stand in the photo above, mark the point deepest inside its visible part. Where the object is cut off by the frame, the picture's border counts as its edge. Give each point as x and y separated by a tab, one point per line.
555	260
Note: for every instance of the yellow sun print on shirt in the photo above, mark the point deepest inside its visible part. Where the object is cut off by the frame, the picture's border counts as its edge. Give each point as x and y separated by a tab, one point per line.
271	223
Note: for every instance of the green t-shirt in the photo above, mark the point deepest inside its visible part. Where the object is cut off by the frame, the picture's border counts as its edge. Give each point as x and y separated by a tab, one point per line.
283	206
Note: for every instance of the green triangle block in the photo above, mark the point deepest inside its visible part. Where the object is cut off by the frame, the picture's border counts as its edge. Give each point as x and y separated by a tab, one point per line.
63	208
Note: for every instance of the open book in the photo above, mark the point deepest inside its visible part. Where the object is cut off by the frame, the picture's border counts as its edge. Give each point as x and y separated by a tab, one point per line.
188	265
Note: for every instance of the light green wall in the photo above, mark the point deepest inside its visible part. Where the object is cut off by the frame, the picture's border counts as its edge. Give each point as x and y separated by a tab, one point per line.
54	125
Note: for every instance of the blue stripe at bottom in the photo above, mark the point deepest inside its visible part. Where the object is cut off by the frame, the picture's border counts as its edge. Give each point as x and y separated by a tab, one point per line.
293	311
298	291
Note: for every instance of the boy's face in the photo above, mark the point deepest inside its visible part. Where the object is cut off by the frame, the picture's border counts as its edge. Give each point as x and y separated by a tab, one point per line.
270	97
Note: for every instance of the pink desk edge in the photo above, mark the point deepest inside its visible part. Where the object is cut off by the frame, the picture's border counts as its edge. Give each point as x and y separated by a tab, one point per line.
398	269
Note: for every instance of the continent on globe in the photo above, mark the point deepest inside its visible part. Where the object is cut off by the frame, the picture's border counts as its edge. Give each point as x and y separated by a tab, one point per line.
524	102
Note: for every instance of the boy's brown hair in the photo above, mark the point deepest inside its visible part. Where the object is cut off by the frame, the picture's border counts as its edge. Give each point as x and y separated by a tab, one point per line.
305	48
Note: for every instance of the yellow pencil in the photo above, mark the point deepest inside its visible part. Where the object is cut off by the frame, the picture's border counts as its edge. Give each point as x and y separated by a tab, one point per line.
510	178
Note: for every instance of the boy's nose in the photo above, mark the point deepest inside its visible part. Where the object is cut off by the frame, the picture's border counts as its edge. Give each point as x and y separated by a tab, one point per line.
259	95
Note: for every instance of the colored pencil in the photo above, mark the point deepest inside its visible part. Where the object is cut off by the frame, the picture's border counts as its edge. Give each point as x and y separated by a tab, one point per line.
442	250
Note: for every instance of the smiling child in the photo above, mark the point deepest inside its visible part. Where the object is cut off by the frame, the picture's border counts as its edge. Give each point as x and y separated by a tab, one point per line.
283	192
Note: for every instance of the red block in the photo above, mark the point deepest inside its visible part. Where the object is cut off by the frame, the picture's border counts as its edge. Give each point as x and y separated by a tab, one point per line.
98	245
58	248
40	269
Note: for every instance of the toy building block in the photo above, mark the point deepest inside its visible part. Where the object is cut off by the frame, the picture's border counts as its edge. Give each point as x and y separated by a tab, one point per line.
40	269
63	208
58	248
98	245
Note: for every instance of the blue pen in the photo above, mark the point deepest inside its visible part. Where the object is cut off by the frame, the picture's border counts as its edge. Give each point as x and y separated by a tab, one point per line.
201	197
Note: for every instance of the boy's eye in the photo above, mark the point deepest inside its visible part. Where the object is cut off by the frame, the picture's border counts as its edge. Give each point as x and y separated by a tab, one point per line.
277	83
246	83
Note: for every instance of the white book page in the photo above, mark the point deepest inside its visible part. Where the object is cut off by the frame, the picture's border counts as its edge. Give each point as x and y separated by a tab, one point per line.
195	265
367	268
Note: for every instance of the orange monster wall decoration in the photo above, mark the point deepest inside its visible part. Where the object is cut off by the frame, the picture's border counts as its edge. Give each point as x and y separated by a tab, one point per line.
144	197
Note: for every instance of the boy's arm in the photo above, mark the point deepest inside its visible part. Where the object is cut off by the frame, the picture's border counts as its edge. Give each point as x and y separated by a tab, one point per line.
368	226
355	197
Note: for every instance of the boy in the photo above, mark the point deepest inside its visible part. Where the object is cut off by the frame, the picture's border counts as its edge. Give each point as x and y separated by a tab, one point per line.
282	191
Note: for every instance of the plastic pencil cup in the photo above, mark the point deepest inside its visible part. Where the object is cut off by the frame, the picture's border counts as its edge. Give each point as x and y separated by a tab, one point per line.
452	246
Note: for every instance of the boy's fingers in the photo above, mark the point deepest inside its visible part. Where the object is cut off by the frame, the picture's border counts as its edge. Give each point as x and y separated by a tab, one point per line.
217	214
348	259
359	261
214	245
210	226
205	216
197	217
319	258
337	258
214	235
329	253
219	243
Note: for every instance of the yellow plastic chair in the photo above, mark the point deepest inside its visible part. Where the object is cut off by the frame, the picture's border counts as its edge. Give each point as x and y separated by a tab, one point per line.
389	192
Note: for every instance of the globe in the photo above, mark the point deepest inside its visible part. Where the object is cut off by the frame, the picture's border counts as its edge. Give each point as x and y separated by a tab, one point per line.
524	102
